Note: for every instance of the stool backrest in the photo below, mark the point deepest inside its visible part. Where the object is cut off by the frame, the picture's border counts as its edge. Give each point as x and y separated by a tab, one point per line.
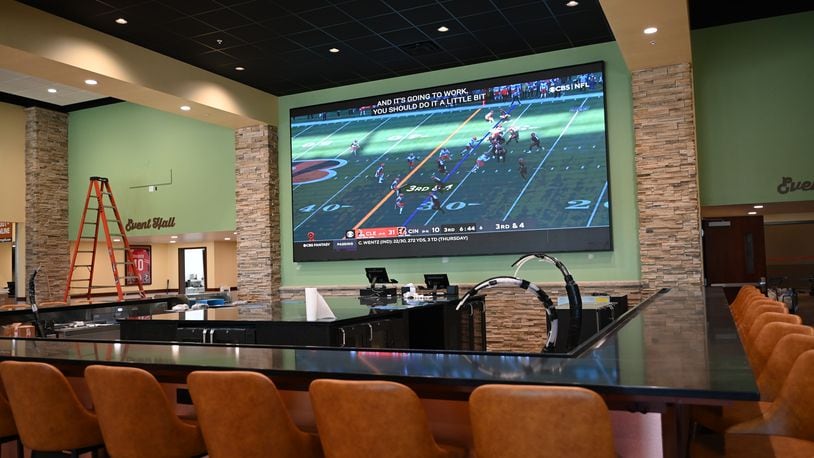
371	419
780	362
47	412
241	414
513	421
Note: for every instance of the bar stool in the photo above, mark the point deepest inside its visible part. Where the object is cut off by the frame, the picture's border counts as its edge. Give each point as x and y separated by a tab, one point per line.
749	318
373	419
791	415
512	421
759	323
746	294
48	415
136	418
241	414
794	340
8	429
766	340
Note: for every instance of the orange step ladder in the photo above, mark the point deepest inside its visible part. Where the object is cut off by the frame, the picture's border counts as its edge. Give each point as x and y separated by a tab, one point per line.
99	189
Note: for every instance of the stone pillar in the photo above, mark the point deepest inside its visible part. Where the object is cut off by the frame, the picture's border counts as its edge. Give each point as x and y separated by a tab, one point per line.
258	215
46	202
667	177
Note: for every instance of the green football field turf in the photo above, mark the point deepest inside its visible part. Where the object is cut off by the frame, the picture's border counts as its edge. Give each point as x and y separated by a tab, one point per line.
565	186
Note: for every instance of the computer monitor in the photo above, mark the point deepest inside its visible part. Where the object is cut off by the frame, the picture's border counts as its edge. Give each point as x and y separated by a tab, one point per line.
376	275
436	281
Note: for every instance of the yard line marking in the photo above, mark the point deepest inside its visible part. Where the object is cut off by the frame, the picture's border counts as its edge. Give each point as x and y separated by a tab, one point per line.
317	143
455	169
375	161
420	164
303	131
348	148
550	150
598	201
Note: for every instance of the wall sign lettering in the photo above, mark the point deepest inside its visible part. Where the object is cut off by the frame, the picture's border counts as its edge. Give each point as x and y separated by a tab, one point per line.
787	185
150	223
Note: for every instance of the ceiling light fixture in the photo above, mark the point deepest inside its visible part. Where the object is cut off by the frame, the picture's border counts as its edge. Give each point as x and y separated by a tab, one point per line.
117	240
121	21
572	4
240	69
235	233
52	90
334	50
752	213
173	236
758	206
227	238
443	28
172	241
185	108
653	42
650	30
91	82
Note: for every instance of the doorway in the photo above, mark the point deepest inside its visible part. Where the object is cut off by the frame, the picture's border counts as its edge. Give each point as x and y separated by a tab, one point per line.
192	273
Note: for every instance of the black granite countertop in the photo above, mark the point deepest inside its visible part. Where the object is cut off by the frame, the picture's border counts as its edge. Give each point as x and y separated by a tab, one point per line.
680	344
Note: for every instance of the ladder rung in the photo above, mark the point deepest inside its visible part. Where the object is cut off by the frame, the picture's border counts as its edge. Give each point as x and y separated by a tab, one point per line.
80	279
116	235
87	237
90	222
85	251
83	265
103	286
125	262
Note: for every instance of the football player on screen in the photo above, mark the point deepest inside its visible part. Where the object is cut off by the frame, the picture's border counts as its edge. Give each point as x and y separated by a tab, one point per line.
380	173
514	134
354	147
394	186
400	202
470	146
490	117
436	202
534	142
522	168
411	160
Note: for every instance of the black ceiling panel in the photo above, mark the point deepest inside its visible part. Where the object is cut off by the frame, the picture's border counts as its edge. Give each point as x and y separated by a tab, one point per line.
283	44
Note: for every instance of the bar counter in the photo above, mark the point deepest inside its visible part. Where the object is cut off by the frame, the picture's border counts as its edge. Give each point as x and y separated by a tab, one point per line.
675	349
676	344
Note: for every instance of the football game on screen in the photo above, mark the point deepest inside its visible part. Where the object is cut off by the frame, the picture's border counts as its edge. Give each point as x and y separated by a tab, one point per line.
477	168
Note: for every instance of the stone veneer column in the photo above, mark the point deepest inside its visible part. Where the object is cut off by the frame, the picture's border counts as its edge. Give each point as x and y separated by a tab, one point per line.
667	177
258	216
46	202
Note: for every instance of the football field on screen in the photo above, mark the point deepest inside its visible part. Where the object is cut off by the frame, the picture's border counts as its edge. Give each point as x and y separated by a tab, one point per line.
565	183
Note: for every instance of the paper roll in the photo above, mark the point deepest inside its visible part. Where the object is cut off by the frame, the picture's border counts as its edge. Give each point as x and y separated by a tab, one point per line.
316	308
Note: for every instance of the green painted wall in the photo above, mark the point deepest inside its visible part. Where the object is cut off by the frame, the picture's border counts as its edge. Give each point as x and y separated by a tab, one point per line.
621	264
755	109
133	146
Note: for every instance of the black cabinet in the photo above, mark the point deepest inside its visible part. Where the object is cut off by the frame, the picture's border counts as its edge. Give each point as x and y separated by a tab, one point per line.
382	333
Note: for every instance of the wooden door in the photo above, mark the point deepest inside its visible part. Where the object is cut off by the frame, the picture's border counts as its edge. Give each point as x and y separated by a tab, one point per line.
734	250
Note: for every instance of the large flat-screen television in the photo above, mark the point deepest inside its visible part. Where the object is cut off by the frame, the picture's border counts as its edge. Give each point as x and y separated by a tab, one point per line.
514	164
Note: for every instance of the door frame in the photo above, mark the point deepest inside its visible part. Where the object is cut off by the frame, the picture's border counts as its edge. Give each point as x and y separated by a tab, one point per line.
182	272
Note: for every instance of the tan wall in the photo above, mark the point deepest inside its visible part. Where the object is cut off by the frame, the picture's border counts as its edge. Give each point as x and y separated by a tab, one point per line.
12	158
221	265
5	264
225	265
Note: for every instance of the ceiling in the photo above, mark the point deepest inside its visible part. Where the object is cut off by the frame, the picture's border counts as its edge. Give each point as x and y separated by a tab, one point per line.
283	45
30	87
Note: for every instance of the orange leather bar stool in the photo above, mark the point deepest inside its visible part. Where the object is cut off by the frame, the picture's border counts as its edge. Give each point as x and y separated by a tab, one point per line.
753	313
242	415
759	323
791	415
136	418
373	419
745	295
794	341
512	421
766	340
8	429
48	415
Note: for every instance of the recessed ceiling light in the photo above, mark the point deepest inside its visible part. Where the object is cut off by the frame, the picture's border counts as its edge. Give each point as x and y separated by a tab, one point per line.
334	50
227	238
240	69
752	213
185	108
572	4
117	240
52	90
653	42
91	82
121	21
758	206
443	28
172	241
650	30
173	236
235	233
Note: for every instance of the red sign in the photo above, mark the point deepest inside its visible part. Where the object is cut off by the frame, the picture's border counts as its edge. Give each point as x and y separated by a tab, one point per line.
142	262
5	232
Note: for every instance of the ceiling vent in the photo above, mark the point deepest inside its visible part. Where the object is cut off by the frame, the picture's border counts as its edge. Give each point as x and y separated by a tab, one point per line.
421	48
